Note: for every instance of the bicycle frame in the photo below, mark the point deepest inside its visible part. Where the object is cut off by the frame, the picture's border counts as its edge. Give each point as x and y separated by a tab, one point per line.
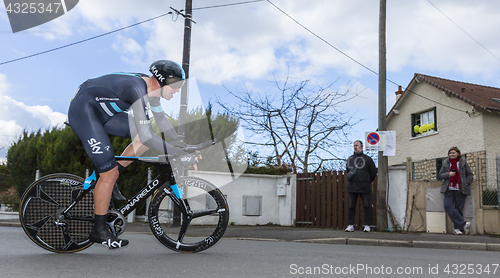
58	209
166	175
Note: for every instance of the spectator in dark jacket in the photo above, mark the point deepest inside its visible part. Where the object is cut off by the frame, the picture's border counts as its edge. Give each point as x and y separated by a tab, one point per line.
361	172
457	177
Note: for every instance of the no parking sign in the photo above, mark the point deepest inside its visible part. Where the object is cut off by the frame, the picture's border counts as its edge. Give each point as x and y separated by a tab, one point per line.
372	142
373	138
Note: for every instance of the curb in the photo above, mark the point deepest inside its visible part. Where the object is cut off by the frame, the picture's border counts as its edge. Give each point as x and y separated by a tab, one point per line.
395	243
10	224
495	247
404	243
363	241
451	245
257	239
338	240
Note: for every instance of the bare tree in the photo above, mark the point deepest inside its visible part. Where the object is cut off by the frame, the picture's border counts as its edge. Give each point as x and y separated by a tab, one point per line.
302	126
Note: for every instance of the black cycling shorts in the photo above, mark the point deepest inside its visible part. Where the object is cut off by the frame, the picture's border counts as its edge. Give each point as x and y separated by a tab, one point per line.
87	123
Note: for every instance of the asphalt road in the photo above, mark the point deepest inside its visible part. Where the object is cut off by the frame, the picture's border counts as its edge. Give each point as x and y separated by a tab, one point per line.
145	257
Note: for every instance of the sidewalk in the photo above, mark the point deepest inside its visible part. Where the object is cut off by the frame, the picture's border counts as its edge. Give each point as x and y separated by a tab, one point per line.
329	236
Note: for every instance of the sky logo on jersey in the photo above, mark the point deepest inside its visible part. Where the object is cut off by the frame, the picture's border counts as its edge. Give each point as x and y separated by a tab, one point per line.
94	144
25	14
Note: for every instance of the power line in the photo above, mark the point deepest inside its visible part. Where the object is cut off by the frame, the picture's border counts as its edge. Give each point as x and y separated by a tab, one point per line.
437	102
354	60
121	29
226	5
331	45
319	37
78	42
233	4
463	30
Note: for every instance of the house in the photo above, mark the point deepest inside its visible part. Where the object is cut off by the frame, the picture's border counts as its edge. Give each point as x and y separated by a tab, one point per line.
461	114
433	114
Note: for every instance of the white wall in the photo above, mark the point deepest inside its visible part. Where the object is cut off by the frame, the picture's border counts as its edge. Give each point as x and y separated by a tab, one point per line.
397	195
279	210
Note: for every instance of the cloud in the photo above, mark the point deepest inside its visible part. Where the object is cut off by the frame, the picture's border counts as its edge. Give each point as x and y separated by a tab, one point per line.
261	40
29	117
364	102
433	42
132	51
57	29
16	116
111	14
4	86
246	45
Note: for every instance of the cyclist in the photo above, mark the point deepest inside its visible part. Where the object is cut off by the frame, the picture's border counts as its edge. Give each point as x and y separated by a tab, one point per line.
104	106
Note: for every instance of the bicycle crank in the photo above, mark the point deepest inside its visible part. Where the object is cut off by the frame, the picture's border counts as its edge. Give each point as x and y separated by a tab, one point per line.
116	222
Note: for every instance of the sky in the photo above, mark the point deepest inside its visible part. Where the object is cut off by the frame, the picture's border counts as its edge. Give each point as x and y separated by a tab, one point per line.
246	46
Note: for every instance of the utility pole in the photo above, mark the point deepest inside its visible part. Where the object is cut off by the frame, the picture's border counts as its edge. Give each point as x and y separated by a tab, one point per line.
176	221
382	160
185	65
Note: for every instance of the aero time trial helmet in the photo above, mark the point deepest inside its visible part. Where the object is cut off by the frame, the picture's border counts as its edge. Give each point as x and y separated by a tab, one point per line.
168	73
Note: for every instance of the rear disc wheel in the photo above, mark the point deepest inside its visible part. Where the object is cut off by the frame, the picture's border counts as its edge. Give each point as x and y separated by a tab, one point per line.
42	204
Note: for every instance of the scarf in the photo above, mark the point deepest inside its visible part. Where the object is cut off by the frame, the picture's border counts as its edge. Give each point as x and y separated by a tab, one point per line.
456	178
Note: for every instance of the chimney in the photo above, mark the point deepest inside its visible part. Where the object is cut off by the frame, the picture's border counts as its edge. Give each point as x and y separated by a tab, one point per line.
399	93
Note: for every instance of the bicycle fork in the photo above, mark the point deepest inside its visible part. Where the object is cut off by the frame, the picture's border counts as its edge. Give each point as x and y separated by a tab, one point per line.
187	214
176	194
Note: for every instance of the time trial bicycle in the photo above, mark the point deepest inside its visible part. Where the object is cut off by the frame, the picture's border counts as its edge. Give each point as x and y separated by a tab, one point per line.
57	210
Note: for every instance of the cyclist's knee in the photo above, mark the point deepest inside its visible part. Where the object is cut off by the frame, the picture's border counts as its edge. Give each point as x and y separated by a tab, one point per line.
110	175
137	139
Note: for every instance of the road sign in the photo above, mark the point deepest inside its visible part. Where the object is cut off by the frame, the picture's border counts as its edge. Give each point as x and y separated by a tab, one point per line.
381	141
372	142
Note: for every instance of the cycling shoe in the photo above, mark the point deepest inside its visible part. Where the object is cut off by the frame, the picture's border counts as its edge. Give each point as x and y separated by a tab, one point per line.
108	239
102	235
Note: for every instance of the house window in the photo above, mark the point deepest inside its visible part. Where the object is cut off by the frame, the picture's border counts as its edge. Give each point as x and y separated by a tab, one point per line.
424	122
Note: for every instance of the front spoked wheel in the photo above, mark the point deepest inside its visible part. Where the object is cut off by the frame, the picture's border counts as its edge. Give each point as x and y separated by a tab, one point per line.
42	204
199	230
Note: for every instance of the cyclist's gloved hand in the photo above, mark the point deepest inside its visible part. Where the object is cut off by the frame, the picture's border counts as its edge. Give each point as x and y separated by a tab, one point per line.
178	144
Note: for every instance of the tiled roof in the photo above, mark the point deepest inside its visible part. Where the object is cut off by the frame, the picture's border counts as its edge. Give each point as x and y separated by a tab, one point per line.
479	96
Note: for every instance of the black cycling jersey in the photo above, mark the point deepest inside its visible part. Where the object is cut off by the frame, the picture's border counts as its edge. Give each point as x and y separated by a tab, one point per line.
116	104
